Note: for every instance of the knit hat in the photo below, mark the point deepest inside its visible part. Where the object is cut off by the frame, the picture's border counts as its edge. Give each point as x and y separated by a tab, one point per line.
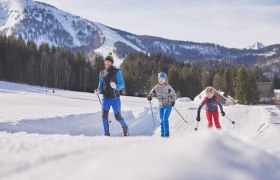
109	57
162	75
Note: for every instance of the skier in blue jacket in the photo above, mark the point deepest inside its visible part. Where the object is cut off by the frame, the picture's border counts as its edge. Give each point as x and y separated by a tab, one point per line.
110	84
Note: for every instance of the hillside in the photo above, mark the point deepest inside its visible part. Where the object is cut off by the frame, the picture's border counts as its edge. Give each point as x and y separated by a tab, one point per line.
44	23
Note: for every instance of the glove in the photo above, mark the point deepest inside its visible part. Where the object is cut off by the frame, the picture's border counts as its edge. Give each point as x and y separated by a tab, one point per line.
113	85
173	103
149	98
223	113
97	91
198	118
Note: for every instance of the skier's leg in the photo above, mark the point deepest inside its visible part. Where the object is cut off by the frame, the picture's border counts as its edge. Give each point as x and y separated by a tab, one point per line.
161	113
105	114
167	113
209	118
116	104
216	120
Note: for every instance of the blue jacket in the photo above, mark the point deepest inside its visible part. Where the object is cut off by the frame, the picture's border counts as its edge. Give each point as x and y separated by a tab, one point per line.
107	76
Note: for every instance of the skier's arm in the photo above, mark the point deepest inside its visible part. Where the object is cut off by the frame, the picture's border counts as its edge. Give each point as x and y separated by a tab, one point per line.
173	94
120	81
199	108
152	93
100	83
221	106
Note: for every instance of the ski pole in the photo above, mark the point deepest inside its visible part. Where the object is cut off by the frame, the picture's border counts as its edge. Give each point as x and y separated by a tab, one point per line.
99	99
196	128
101	104
117	101
229	120
152	114
180	114
169	91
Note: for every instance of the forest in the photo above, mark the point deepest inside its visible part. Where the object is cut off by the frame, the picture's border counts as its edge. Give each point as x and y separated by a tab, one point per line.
50	66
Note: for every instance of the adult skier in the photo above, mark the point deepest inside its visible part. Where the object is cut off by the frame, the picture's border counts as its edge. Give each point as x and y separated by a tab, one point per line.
110	84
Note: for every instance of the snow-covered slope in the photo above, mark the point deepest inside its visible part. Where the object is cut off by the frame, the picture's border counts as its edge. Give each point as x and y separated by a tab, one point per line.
45	135
111	37
44	23
11	14
256	46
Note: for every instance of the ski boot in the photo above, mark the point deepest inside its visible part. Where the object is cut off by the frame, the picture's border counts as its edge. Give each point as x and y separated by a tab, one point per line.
125	131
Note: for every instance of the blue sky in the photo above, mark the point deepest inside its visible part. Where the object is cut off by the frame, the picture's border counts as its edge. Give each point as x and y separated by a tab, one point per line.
233	23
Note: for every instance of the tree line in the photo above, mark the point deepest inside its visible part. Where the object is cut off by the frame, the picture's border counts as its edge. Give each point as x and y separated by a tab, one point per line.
47	66
24	62
140	74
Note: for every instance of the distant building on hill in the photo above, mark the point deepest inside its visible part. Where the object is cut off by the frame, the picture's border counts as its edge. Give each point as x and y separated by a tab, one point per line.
224	100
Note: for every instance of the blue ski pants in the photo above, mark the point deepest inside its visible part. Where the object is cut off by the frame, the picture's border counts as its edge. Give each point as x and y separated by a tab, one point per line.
106	105
164	113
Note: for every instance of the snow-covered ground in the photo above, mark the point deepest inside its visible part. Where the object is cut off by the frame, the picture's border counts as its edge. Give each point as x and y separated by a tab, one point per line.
45	135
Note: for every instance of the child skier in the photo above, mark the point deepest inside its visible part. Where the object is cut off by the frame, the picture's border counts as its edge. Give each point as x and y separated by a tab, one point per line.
212	103
166	98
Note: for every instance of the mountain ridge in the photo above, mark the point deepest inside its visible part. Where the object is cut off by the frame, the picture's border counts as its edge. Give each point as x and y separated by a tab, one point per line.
45	23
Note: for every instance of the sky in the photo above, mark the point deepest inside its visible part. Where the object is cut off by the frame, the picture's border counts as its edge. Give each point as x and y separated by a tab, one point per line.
232	23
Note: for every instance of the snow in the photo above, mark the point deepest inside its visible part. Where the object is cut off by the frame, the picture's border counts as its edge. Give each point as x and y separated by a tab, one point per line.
135	158
3	15
11	14
185	99
45	135
256	46
66	21
199	98
111	37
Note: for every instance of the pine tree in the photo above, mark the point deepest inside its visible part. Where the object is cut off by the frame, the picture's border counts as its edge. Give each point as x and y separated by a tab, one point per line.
226	84
253	90
207	77
241	86
218	82
245	87
174	79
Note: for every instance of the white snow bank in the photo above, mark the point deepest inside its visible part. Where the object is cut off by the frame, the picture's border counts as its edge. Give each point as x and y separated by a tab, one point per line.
184	99
57	136
197	156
